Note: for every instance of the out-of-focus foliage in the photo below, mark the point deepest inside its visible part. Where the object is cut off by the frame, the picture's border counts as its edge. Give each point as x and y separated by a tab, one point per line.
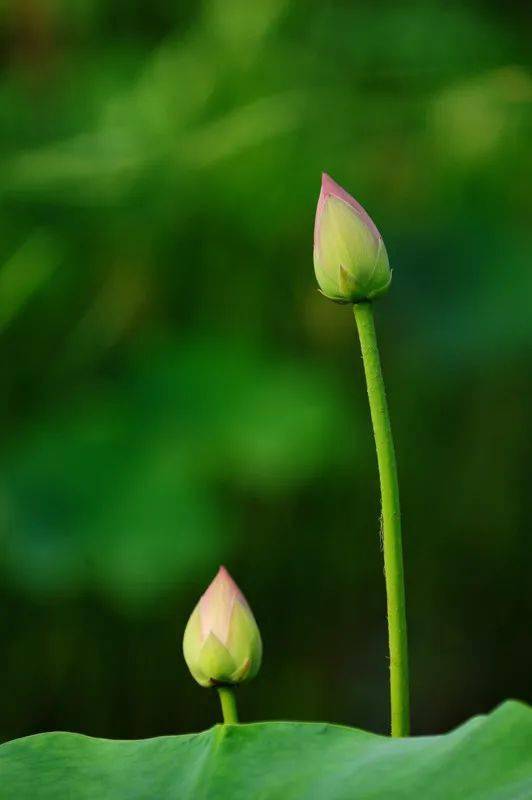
176	394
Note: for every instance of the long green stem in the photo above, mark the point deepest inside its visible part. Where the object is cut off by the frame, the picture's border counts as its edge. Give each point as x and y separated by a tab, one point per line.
228	703
391	522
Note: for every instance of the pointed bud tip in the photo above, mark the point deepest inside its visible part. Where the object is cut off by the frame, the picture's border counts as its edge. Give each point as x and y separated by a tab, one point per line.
329	186
326	181
223	576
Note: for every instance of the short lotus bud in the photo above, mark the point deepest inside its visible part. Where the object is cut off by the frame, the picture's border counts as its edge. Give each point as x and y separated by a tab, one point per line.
350	258
222	643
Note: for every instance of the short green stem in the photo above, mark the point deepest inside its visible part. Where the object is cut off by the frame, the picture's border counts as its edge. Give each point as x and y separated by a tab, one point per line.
228	703
391	522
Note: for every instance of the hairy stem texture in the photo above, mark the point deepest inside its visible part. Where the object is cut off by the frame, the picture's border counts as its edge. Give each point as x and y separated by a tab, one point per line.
391	521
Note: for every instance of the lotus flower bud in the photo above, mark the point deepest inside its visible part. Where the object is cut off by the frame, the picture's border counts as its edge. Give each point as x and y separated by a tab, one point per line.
222	643
350	258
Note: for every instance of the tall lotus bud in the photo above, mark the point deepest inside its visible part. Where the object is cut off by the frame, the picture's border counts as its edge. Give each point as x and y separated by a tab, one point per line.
350	258
222	643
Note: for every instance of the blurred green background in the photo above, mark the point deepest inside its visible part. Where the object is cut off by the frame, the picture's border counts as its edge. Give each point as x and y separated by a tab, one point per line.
176	394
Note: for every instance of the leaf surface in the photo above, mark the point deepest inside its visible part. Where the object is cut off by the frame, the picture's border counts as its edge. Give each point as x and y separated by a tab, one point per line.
487	758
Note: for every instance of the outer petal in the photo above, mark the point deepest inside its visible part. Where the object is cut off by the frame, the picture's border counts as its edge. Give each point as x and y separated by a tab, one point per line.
345	238
244	644
382	274
192	646
215	661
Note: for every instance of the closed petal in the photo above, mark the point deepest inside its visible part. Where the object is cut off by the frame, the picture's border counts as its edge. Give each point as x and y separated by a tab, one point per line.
215	661
244	644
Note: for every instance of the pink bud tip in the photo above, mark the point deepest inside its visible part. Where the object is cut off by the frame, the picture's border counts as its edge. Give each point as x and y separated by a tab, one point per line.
216	605
330	188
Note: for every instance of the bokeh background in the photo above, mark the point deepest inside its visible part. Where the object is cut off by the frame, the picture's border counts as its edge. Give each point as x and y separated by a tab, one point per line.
176	394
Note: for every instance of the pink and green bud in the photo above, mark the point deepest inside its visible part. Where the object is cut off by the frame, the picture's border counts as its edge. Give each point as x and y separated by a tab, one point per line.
222	643
350	258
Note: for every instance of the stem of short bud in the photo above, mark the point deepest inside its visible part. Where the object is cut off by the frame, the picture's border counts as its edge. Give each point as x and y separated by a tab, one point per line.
391	521
228	703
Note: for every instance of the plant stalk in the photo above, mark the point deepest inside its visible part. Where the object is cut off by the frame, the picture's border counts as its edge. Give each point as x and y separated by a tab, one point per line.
391	521
228	703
